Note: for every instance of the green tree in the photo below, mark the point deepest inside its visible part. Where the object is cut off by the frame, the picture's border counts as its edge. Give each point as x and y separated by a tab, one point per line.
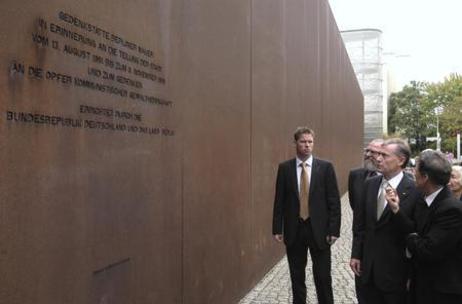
412	112
447	95
408	114
443	93
451	124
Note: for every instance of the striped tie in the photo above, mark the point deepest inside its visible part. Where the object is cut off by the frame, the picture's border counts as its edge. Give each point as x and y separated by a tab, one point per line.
381	198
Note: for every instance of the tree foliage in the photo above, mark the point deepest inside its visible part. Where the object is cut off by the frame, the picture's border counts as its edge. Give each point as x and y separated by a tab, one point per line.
412	112
451	124
407	115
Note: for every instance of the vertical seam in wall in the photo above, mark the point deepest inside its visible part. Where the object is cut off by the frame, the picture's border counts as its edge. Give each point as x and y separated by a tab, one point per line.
321	70
305	35
251	115
182	227
285	108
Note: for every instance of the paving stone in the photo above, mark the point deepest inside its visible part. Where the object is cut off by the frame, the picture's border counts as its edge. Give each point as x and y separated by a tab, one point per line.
275	287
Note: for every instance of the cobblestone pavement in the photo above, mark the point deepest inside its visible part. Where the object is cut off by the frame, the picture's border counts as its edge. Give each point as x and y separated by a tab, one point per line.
275	288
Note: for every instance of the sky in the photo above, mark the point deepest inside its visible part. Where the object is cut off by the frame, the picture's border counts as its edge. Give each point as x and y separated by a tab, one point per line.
421	40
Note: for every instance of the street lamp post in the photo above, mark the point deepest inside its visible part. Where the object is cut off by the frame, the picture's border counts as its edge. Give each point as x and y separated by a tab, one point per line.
438	144
458	146
438	111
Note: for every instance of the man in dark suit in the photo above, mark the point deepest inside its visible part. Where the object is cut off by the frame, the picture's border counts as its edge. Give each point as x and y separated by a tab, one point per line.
306	216
436	247
357	176
378	251
356	179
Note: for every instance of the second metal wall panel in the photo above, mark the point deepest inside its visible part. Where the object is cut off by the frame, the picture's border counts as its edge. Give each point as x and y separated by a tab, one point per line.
257	70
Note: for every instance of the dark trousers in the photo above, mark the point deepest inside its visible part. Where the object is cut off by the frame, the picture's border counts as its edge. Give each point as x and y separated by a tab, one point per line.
439	298
297	256
448	298
372	294
359	290
424	293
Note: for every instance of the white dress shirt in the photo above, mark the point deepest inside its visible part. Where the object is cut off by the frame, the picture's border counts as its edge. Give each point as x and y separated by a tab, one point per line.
393	182
430	198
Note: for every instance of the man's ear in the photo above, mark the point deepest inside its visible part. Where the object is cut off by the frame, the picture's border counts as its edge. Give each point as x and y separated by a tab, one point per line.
425	177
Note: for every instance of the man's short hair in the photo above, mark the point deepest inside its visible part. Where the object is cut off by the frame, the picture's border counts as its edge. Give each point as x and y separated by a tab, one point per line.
402	150
435	166
376	141
302	130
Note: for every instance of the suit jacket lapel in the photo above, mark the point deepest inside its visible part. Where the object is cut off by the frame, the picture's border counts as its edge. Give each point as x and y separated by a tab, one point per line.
404	188
314	171
422	211
373	194
403	191
445	193
293	176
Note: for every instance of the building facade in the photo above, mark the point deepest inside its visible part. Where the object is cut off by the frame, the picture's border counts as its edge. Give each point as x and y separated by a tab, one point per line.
364	46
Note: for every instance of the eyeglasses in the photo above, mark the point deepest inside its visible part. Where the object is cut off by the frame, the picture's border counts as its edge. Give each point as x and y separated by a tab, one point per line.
371	151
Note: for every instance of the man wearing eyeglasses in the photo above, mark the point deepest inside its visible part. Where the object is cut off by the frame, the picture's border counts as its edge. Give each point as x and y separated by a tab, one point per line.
356	180
357	176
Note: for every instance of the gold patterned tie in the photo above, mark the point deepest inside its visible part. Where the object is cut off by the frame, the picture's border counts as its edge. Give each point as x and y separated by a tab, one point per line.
304	193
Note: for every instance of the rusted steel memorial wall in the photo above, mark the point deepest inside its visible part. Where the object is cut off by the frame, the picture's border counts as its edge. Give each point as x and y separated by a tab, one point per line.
139	142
